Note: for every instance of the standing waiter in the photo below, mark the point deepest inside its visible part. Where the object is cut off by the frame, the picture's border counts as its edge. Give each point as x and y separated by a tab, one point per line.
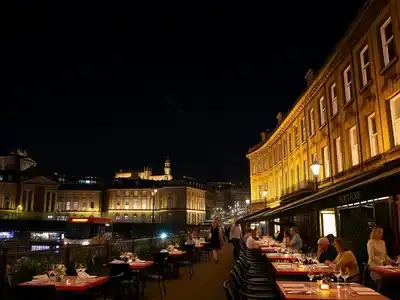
236	235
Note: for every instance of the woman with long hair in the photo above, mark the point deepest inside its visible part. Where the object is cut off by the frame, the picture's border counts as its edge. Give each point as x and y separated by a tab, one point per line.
377	255
216	239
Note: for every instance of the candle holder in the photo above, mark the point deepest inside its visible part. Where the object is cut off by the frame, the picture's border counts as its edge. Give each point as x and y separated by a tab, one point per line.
324	283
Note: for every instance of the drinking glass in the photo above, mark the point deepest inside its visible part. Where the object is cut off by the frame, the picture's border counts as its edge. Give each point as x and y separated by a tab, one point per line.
80	267
51	272
345	275
310	273
337	272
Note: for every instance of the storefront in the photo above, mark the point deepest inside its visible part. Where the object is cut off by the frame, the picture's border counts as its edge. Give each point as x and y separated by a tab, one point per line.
40	241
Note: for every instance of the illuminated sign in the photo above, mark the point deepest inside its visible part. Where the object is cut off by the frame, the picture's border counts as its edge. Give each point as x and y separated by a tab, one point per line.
79	220
7	235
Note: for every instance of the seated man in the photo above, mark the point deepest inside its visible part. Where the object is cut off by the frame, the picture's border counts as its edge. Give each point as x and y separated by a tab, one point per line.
325	250
251	240
296	243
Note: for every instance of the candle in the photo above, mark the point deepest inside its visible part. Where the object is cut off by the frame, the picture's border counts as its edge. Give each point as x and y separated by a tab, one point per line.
324	286
68	282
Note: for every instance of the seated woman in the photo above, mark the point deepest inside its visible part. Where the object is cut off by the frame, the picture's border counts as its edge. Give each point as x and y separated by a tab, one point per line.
345	259
286	238
377	255
190	240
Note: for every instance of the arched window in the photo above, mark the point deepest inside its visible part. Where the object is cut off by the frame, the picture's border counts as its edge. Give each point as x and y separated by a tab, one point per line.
169	201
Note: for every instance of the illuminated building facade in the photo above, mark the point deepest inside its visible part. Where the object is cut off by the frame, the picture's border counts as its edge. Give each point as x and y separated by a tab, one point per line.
347	120
147	174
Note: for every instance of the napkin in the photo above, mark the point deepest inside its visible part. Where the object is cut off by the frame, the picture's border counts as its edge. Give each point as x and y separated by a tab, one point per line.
272	254
284	267
293	285
137	260
41	278
83	275
115	261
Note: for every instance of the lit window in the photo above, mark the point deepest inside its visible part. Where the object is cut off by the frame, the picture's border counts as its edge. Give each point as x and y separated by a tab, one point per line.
117	217
84	205
322	111
395	112
284	147
68	205
325	157
264	161
347	84
144	204
290	142
355	160
373	135
126	217
127	194
314	157
339	155
75	205
387	39
305	170
328	223
126	204
135	193
334	99
303	130
364	61
296	135
312	122
118	204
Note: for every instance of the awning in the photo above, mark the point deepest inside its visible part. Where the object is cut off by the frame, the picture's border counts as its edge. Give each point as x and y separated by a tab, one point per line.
253	216
380	182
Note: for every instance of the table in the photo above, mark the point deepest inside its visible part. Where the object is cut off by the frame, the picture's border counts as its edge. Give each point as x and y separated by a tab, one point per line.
280	256
386	271
199	245
269	249
293	290
176	253
292	269
72	286
141	265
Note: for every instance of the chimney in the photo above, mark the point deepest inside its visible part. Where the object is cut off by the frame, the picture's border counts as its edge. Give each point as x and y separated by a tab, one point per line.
309	77
263	136
279	117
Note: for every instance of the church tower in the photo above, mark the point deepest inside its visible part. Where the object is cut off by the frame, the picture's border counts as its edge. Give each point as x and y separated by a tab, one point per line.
167	169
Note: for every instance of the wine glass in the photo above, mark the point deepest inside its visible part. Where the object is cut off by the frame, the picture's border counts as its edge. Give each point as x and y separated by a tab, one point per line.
51	272
337	272
345	275
80	267
310	273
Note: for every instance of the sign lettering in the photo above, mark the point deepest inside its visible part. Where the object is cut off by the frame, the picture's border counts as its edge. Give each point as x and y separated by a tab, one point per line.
350	197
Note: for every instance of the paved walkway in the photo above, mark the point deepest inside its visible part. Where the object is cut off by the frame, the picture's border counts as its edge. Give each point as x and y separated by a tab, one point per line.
207	282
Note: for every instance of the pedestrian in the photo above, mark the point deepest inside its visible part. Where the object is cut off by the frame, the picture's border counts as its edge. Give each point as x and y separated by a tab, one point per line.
227	233
216	239
236	235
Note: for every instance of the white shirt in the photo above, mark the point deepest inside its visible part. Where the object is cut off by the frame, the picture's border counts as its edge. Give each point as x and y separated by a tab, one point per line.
236	232
251	243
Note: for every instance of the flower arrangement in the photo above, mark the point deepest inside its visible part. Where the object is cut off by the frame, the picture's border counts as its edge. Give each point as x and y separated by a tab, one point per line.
61	269
170	247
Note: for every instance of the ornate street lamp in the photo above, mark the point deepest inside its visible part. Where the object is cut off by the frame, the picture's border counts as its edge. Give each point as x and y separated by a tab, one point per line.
315	169
247	204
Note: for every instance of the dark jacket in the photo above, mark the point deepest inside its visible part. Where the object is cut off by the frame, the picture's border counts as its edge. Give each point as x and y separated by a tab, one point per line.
329	254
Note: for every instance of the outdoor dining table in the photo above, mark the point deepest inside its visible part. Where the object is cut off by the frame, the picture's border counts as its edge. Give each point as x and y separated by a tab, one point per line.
176	253
269	249
299	290
141	265
70	283
386	271
280	257
285	268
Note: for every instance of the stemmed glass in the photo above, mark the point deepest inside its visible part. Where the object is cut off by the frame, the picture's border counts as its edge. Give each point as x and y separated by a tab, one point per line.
310	273
51	272
337	272
345	275
80	267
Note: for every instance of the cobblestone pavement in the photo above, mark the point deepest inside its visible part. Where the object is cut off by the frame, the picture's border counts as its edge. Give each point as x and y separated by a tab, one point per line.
207	282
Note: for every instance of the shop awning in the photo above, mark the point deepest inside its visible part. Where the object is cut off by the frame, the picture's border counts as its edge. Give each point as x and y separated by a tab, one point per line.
380	182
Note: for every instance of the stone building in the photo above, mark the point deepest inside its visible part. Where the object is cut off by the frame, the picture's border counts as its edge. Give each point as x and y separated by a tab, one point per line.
347	120
146	173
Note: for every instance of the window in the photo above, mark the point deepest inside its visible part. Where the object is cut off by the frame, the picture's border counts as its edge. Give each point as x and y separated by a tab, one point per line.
314	157
75	205
305	170
284	147
144	193
253	163
364	62
279	154
373	135
286	180
387	39
127	194
135	193
354	146
334	99
395	112
347	84
303	130
325	157
117	217
296	135
92	205
118	204
298	174
322	111
84	205
290	142
68	205
264	161
126	204
339	155
312	122
328	220
126	217
292	178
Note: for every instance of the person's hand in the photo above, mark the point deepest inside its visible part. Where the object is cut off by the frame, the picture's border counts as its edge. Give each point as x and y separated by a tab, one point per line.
389	261
327	262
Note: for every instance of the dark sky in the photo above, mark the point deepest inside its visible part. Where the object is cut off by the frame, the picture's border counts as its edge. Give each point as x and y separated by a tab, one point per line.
84	83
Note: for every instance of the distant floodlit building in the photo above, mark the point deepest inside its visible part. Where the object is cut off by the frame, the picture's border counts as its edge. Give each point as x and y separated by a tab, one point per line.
147	173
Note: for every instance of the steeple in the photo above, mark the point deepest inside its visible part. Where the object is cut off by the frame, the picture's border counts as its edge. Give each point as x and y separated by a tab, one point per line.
167	167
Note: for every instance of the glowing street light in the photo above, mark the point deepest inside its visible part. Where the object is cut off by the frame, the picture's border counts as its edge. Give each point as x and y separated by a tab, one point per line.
265	193
315	169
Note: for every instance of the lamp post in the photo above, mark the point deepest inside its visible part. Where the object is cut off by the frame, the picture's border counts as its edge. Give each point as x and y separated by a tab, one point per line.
19	208
247	205
265	193
315	169
153	217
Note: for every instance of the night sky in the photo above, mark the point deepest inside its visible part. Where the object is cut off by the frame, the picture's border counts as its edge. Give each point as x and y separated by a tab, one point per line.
91	86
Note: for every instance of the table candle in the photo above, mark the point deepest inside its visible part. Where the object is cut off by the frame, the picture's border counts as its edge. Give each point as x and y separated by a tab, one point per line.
324	286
